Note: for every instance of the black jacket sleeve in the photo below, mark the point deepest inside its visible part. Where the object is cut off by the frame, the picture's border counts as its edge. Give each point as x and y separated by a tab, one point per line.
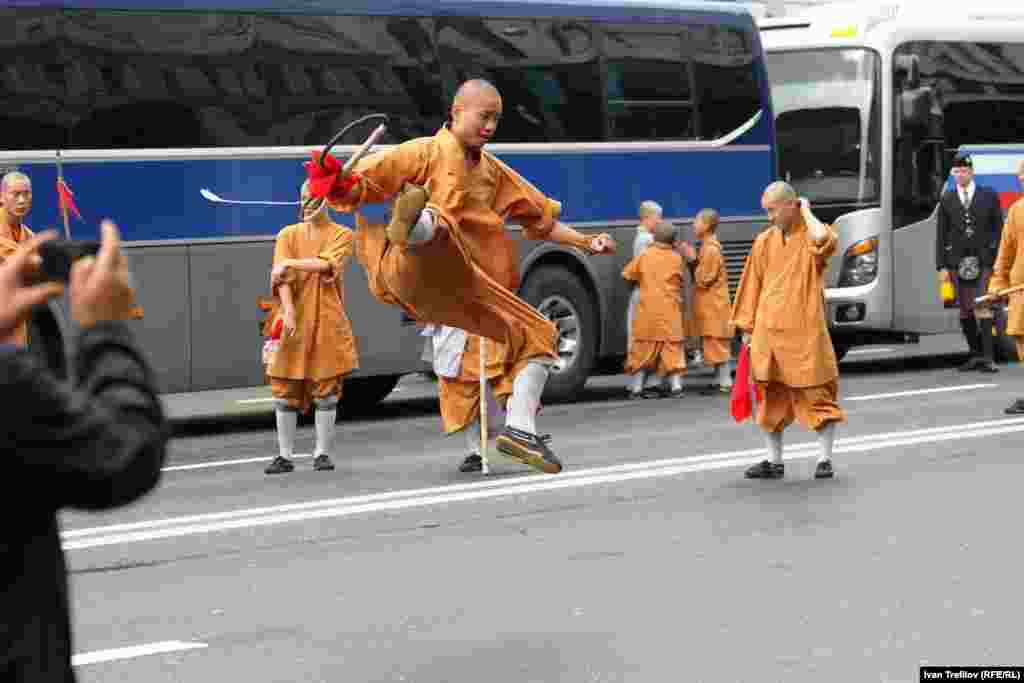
97	444
993	226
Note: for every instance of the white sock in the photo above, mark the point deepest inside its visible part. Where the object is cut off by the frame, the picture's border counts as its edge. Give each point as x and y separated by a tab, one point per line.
423	230
472	433
676	381
637	384
525	399
325	427
774	440
287	423
826	436
724	375
654	380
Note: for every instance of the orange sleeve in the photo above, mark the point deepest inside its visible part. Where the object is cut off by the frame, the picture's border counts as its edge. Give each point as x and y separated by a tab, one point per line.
517	199
709	267
338	251
283	249
632	270
383	174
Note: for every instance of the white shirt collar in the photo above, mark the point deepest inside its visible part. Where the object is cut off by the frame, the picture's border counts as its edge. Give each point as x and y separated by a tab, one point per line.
969	190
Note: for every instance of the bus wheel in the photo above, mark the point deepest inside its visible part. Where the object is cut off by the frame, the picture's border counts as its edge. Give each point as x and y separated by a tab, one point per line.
362	393
561	298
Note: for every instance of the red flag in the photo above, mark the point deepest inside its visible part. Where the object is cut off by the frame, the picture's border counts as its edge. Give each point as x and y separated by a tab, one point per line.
742	405
67	198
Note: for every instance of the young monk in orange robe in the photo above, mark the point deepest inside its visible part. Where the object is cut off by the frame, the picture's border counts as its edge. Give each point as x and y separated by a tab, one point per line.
15	203
317	347
780	306
658	342
446	256
712	308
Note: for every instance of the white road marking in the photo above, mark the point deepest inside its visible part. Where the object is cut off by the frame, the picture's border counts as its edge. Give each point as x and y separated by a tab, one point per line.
133	651
225	463
75	539
862	352
918	392
245	401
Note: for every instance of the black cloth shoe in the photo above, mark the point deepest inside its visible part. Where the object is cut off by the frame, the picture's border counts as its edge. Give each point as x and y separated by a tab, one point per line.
322	463
279	465
529	449
823	470
766	469
1017	408
472	463
676	393
636	395
652	393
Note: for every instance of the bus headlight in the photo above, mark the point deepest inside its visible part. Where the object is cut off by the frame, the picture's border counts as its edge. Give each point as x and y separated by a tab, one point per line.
860	263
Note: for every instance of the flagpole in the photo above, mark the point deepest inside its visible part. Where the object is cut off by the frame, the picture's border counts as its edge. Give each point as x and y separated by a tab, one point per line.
63	204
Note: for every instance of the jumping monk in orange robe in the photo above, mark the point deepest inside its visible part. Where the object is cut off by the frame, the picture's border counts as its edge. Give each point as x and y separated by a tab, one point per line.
712	308
780	307
15	203
456	359
658	342
446	257
1009	272
317	346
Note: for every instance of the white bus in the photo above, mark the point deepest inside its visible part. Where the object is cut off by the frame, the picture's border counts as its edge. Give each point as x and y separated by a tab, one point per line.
870	105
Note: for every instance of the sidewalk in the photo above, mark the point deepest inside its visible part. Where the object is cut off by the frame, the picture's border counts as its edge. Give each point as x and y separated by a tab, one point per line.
252	405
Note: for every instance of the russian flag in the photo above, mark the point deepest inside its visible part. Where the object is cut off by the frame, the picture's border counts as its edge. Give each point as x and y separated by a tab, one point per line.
997	168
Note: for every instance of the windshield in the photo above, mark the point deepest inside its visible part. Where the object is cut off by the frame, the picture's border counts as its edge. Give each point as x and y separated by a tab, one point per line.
827	123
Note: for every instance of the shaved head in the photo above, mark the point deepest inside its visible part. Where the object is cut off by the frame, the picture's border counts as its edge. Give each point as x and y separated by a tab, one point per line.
780	191
664	232
476	111
475	88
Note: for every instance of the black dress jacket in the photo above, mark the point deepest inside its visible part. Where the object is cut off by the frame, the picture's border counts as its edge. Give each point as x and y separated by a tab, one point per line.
95	442
973	230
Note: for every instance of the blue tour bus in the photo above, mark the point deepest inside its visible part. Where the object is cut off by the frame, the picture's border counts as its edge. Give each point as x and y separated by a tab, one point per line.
606	104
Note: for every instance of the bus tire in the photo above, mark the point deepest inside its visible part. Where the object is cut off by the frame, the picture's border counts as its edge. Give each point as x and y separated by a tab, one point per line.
557	293
363	393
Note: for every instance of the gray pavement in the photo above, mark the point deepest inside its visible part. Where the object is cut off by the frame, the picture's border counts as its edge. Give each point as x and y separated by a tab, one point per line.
649	559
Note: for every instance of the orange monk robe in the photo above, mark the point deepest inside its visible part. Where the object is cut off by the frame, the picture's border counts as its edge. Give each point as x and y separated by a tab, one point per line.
658	341
8	247
711	305
781	298
313	362
1009	271
465	276
460	396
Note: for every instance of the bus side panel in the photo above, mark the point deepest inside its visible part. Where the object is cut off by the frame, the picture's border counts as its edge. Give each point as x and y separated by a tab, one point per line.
226	280
917	305
160	275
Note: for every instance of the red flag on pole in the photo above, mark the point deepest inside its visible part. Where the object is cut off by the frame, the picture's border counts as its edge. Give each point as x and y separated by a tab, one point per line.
67	198
742	403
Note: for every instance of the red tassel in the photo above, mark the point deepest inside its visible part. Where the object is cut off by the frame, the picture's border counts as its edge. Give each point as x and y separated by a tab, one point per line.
327	181
741	404
67	198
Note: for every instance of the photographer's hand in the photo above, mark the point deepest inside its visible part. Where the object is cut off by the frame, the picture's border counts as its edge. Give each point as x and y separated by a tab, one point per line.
101	287
17	297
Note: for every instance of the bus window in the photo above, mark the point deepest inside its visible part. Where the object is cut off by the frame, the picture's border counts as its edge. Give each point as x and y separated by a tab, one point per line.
649	84
728	94
208	79
547	73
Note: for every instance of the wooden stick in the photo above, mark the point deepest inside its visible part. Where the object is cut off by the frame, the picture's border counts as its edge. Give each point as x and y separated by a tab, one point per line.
483	406
63	204
987	298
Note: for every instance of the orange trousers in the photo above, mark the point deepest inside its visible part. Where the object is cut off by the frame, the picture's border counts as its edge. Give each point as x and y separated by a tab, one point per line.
812	407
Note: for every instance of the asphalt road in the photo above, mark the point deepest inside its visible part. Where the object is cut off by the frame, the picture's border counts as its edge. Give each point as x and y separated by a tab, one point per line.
650	558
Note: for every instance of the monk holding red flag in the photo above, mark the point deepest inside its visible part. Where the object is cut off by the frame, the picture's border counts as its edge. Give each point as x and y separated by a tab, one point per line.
780	306
446	257
15	203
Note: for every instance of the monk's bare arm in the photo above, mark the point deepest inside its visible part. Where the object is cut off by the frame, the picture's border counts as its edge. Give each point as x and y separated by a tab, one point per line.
592	244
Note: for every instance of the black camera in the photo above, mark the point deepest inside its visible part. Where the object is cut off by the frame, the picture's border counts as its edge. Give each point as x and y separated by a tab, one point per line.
58	256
